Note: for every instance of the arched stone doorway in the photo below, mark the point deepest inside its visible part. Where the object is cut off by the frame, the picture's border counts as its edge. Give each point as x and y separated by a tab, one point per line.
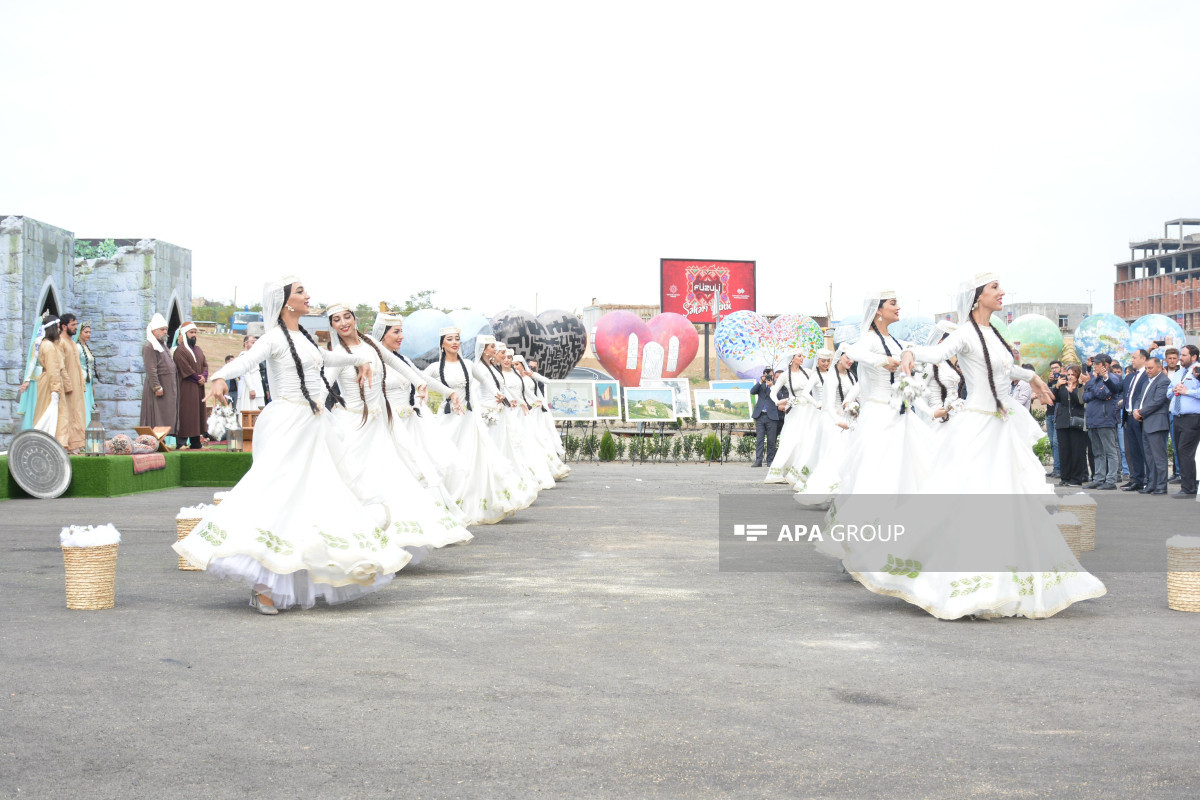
173	323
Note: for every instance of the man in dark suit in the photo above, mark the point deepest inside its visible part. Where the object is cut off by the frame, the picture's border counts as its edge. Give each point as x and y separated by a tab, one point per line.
1151	412
1135	384
766	417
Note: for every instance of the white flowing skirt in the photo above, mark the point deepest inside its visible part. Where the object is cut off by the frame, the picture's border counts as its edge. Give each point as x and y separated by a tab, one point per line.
548	441
421	519
491	488
292	525
983	454
511	437
796	450
825	477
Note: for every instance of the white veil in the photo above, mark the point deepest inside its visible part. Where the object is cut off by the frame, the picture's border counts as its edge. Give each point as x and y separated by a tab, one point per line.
273	300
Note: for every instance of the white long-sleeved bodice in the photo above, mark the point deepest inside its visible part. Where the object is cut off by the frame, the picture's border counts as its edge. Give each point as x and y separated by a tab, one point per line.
273	349
875	382
965	344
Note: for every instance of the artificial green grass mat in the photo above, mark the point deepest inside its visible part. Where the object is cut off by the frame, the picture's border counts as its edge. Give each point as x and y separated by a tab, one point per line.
214	468
112	476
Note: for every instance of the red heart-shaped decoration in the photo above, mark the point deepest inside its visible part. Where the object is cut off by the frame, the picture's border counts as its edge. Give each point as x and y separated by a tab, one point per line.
620	337
677	354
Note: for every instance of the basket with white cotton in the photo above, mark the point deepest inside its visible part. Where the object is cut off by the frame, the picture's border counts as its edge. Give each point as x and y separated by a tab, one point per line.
1083	506
185	523
1183	573
90	560
1071	529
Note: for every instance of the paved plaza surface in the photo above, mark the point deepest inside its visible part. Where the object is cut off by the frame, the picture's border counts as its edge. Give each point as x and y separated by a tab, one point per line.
588	647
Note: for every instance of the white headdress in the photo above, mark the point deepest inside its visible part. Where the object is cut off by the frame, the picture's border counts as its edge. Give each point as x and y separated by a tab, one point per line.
181	337
273	300
520	359
336	308
449	330
940	329
482	341
156	322
870	309
966	294
824	352
383	321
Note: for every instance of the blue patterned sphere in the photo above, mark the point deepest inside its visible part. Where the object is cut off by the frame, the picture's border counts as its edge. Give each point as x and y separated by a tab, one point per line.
1155	327
1102	333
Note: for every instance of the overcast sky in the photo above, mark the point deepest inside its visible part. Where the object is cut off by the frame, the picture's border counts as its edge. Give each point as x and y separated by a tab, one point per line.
491	151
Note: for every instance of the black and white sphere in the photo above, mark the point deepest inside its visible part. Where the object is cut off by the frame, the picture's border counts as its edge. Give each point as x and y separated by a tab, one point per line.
567	342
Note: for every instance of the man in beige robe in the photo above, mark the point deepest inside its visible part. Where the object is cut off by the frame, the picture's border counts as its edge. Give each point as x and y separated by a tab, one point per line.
72	409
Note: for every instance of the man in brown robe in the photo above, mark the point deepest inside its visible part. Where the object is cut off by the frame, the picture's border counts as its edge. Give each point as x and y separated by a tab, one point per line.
71	410
192	368
160	407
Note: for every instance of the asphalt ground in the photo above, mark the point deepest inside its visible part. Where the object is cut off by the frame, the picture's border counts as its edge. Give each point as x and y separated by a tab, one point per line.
588	647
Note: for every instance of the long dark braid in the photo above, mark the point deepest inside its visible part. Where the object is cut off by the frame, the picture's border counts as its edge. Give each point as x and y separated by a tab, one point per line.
524	399
296	358
324	380
987	359
886	350
362	393
412	387
442	375
382	376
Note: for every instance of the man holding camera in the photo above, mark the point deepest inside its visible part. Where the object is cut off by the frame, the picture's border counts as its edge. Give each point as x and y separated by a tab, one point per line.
766	417
1056	374
1185	406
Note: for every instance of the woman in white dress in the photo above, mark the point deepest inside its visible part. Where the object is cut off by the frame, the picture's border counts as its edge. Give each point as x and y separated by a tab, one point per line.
292	528
383	472
802	410
547	438
890	449
943	383
988	452
840	389
416	429
492	489
547	419
524	442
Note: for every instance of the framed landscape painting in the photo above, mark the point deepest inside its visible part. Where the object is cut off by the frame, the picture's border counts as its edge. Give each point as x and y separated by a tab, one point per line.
649	404
683	392
715	406
571	400
608	400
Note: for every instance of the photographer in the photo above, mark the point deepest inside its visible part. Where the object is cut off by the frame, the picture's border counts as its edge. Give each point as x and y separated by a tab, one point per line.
1069	419
1051	431
1101	391
1185	406
766	417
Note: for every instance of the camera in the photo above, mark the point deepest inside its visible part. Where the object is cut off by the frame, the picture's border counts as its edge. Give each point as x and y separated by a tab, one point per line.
1196	371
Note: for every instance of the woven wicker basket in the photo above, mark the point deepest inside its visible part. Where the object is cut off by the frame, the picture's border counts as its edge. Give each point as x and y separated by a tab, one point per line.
1084	507
1183	573
182	528
1071	529
91	576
